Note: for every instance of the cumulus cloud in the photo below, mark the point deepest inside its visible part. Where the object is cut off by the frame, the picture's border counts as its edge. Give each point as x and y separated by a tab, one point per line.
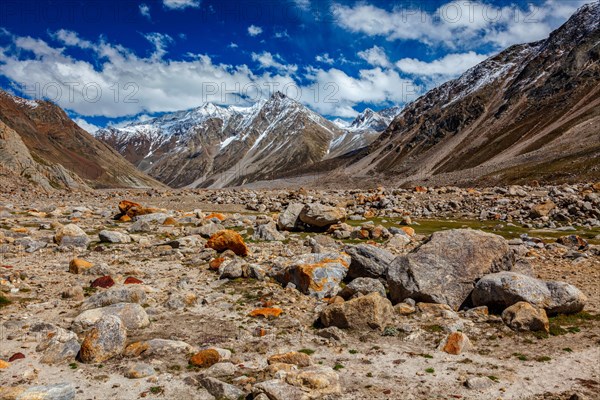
181	4
302	4
375	56
145	10
254	30
450	65
457	24
268	60
324	58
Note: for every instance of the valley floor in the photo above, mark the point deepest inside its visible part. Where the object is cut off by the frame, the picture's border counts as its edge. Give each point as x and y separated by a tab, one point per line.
186	302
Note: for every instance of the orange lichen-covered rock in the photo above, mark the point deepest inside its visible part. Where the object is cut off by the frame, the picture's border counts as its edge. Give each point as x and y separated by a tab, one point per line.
228	240
170	221
205	358
218	216
78	265
317	274
270	312
125	205
456	343
421	189
408	230
215	263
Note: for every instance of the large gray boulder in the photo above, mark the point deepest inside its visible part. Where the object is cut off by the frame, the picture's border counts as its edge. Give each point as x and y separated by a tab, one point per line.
133	316
445	268
114	295
289	218
321	216
502	290
368	261
267	232
105	340
370	312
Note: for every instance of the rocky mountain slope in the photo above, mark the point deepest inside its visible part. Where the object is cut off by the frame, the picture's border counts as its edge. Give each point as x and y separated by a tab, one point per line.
40	143
215	146
530	113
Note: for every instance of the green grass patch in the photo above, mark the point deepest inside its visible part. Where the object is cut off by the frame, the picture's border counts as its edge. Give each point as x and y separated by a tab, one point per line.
520	356
307	351
337	367
157	390
493	378
353	351
430	370
568	350
543	359
4	301
433	328
426	356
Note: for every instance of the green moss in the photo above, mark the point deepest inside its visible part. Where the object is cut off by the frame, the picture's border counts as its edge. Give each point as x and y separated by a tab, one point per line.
433	328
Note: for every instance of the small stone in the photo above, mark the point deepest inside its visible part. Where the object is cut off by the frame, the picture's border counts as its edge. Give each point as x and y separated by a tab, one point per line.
322	216
132	281
4	364
293	357
105	340
478	383
114	237
404	309
268	312
362	286
205	358
16	356
71	235
139	370
78	266
103	282
222	390
76	293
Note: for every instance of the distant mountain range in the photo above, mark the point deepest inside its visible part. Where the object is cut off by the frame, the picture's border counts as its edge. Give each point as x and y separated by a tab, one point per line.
531	112
215	146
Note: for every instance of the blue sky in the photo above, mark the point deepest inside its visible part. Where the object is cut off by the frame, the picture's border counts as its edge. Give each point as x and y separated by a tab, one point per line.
109	61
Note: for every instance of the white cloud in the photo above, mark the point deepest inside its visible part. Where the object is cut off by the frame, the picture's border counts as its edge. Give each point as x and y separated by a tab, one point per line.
160	42
324	58
117	82
268	60
181	4
282	34
232	45
302	4
254	30
457	24
375	56
86	126
145	10
450	65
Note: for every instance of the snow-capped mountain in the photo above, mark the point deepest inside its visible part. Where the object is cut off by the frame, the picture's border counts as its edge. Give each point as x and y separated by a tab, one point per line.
532	112
220	146
362	131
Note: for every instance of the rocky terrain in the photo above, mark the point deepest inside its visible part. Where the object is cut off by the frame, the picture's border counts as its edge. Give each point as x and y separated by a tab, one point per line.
420	293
